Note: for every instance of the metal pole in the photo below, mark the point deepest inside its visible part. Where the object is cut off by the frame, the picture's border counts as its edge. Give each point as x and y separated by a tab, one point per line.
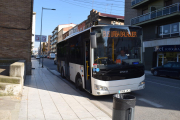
41	35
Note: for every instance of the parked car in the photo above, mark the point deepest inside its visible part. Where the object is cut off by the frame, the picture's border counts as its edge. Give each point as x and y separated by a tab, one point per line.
52	55
170	69
37	57
47	56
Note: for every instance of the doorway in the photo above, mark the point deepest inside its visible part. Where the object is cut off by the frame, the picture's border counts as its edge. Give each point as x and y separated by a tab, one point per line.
87	68
160	60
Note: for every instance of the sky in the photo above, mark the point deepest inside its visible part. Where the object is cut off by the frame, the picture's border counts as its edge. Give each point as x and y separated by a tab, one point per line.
70	11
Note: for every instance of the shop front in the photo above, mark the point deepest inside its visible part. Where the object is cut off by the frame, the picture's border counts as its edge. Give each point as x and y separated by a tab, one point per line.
168	53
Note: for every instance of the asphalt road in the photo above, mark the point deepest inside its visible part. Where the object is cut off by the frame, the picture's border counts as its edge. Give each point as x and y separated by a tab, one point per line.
48	63
160	100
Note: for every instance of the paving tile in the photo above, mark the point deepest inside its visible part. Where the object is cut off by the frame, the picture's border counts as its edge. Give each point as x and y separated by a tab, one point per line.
103	118
92	118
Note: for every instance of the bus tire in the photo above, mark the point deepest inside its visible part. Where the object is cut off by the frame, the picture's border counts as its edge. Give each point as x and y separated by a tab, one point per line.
78	83
62	73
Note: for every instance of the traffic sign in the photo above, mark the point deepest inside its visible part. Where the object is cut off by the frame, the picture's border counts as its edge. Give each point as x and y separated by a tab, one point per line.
38	37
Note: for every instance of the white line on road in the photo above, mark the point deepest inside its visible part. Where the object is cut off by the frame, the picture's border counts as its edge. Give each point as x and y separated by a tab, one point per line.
149	102
163	84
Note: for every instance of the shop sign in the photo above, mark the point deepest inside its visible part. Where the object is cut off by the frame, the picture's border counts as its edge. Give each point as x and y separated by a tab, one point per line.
167	48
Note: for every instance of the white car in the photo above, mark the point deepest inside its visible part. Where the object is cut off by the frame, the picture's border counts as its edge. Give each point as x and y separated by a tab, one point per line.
52	55
37	57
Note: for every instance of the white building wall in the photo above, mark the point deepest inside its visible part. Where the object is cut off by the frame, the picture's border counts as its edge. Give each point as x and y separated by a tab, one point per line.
33	29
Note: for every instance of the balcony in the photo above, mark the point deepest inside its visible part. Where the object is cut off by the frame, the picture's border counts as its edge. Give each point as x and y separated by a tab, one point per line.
138	3
169	11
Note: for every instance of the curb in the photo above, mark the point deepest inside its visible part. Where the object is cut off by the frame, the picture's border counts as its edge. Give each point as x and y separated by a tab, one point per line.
99	105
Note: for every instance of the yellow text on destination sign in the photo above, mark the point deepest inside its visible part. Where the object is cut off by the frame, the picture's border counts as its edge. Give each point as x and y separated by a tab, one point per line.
119	34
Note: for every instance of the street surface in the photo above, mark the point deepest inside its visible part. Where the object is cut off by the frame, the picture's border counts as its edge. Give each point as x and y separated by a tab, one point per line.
160	100
49	63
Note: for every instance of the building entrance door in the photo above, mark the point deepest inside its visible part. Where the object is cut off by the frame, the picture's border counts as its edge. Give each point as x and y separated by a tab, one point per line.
160	60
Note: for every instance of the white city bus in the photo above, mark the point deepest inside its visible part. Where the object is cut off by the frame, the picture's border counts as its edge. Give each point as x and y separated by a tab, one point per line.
103	59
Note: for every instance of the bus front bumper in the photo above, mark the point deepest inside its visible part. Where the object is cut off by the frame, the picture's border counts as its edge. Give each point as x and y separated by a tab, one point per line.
113	87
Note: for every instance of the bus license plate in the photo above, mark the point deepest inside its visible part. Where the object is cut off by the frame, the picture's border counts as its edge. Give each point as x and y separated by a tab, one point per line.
125	91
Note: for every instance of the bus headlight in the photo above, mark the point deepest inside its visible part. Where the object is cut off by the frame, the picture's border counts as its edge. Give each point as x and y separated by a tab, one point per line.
98	87
141	83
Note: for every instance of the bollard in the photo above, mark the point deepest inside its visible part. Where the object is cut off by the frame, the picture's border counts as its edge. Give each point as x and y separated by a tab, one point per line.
123	107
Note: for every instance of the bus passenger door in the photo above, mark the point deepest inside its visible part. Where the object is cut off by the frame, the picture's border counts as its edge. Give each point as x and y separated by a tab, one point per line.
87	70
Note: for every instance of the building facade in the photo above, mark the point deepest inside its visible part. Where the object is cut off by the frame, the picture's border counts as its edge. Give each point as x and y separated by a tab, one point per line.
160	21
65	34
54	38
82	26
33	30
16	30
61	32
49	45
97	18
73	30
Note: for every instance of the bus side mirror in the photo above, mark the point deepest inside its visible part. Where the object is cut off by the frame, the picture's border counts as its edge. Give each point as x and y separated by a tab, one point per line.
93	40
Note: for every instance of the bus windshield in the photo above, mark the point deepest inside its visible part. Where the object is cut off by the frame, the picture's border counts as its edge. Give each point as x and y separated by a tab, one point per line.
116	45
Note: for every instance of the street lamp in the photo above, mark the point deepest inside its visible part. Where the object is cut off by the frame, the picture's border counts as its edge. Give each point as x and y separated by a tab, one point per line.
41	31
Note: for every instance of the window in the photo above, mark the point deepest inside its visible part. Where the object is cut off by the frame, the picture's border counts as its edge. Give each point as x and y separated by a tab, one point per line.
75	49
169	30
166	29
167	65
175	28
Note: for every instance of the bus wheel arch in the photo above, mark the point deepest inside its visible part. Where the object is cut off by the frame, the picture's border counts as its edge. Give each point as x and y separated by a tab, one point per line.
78	82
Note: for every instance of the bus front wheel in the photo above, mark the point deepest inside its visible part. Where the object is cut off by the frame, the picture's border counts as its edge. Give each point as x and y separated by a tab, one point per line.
79	83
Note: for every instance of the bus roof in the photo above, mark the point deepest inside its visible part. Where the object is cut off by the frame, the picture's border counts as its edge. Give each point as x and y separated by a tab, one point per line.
74	34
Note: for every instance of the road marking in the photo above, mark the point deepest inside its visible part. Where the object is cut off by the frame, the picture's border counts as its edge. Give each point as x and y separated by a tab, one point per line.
163	84
149	102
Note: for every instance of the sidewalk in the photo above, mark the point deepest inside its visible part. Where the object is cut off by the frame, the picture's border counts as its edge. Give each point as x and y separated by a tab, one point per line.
47	97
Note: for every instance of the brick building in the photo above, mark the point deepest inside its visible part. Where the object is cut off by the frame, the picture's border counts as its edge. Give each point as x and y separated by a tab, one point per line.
16	30
81	26
65	34
98	18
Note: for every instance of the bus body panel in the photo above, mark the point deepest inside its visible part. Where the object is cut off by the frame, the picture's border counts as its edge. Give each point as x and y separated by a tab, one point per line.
74	70
116	85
